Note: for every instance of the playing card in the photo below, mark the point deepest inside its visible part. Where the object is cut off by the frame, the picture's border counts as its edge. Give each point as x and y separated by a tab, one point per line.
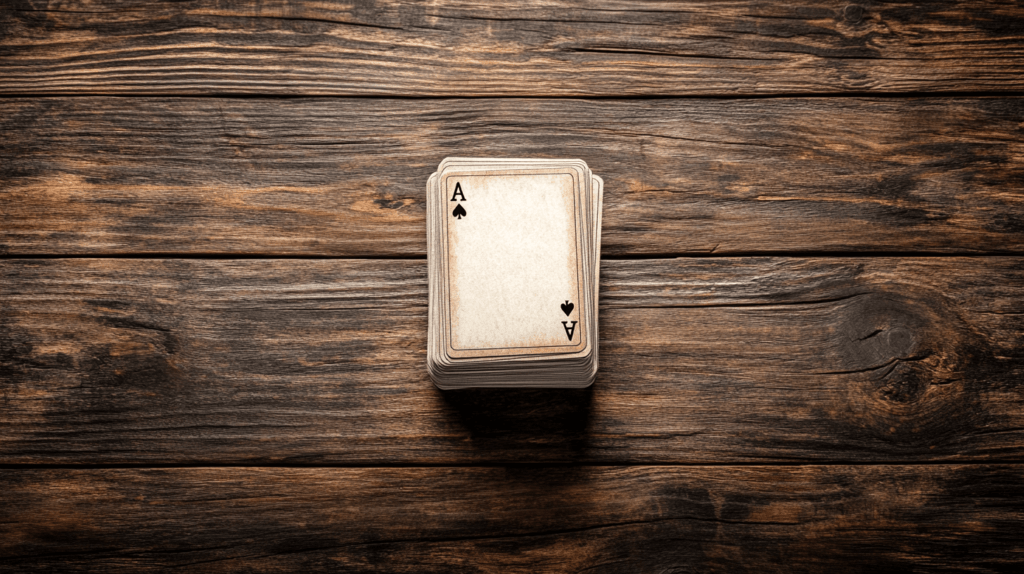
513	251
515	273
496	375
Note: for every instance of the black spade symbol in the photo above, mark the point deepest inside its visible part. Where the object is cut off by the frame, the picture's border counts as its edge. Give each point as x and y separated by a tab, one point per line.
459	212
567	308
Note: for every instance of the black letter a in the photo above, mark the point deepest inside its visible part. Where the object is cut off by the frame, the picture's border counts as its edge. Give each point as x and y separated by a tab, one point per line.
569	330
458	192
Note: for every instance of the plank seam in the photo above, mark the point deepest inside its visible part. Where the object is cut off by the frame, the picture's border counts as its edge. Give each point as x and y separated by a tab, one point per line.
131	466
731	96
632	257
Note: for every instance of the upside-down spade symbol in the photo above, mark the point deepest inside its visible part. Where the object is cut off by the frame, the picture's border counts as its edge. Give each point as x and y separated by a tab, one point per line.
567	308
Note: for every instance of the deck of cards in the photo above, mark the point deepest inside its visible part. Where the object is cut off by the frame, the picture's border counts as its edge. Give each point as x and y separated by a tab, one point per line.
514	247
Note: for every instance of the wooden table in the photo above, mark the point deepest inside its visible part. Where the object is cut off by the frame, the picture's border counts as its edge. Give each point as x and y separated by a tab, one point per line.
213	287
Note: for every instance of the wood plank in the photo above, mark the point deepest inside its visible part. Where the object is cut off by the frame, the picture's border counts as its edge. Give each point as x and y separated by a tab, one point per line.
323	361
533	519
496	48
347	177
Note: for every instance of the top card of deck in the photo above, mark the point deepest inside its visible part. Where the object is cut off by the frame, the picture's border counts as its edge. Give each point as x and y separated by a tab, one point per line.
514	280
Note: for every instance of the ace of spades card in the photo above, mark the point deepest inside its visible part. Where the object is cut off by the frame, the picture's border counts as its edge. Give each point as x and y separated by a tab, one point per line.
513	252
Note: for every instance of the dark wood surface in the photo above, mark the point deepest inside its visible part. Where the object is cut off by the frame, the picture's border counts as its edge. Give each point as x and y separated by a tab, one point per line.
702	360
532	519
345	177
213	292
497	48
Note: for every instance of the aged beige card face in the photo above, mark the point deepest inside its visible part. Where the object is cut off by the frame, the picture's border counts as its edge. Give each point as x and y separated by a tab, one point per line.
513	263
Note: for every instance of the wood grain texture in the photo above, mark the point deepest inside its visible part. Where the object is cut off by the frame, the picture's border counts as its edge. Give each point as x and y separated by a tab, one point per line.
322	361
526	519
491	48
347	177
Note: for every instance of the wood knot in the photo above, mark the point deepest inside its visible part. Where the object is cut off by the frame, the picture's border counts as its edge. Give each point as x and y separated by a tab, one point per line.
389	202
853	13
906	362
